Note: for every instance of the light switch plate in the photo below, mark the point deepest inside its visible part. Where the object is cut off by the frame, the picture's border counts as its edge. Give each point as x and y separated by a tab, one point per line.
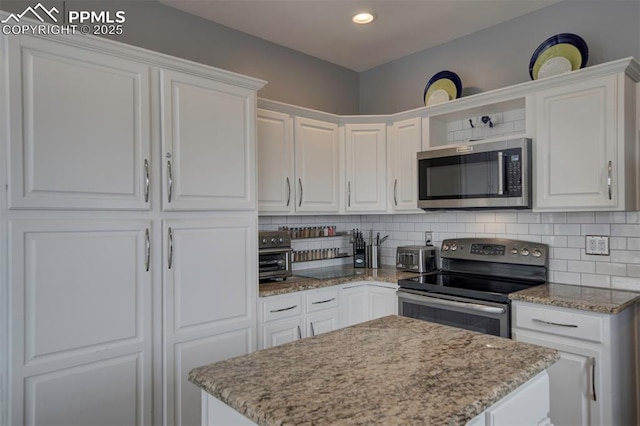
597	245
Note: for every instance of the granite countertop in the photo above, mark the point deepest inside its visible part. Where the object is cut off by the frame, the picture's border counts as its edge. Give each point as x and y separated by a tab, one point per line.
298	282
592	299
392	370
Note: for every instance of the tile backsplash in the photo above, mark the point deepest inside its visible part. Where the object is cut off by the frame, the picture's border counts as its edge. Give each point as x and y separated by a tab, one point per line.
563	232
504	123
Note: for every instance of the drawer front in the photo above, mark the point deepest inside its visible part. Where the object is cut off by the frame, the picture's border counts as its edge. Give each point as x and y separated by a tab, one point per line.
559	321
275	308
320	300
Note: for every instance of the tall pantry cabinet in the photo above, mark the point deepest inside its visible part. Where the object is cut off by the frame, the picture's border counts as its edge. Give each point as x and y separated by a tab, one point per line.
130	218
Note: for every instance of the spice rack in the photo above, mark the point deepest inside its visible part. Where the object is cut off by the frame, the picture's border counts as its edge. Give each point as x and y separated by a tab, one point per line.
319	254
306	232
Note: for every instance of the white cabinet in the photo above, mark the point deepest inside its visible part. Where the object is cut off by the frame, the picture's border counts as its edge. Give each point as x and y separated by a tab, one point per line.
367	300
210	292
594	381
82	139
208	144
366	166
585	146
102	330
405	141
80	321
316	164
275	162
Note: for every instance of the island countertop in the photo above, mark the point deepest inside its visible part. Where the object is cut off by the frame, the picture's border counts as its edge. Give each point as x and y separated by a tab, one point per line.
392	370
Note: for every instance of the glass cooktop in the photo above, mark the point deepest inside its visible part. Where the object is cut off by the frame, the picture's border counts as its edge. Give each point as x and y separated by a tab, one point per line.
477	287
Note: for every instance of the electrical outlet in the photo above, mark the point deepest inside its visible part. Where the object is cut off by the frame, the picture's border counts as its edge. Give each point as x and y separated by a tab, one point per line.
597	245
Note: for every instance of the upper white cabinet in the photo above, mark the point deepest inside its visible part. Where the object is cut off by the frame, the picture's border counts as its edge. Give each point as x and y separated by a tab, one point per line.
79	128
366	157
275	162
208	137
404	142
586	146
316	164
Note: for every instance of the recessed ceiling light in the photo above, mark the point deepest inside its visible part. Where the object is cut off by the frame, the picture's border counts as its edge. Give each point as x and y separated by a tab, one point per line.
363	18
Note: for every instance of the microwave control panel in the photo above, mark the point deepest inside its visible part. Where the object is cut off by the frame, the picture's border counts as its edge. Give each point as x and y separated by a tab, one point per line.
514	173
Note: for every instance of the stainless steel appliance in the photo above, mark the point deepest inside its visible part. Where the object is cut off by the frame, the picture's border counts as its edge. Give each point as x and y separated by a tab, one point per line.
476	175
419	259
471	290
274	255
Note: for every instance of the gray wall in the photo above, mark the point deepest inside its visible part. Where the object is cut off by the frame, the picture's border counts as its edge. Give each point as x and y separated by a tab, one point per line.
293	77
499	56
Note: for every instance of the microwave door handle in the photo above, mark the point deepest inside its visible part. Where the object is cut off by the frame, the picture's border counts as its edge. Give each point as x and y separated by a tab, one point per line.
500	173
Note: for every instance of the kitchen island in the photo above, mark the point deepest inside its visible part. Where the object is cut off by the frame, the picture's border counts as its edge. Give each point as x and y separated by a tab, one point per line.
393	370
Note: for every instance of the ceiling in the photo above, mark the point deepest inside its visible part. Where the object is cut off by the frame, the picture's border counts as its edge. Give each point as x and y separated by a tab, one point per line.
323	28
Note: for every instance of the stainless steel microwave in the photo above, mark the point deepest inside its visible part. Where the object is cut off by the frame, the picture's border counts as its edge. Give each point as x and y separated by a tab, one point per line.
477	175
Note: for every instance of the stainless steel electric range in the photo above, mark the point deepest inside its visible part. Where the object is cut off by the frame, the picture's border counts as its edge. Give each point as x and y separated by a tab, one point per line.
471	289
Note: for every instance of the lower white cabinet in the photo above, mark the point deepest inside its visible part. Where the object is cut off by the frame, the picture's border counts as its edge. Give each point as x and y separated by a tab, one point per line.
209	292
80	322
594	383
293	316
367	300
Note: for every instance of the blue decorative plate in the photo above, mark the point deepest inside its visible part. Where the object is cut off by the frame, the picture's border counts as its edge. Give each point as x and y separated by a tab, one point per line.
558	54
442	87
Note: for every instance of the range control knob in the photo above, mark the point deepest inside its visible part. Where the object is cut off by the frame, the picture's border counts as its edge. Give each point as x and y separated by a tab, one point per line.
281	240
536	252
514	250
274	240
445	247
454	246
524	251
264	241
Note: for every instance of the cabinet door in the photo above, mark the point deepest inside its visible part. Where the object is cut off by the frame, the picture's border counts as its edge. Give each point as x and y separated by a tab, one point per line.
354	303
366	167
316	166
80	322
577	147
208	144
322	322
210	276
275	162
281	332
79	128
382	301
405	141
573	380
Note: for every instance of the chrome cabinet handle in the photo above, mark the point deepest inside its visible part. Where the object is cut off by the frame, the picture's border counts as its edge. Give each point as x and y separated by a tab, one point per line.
284	309
300	184
323	301
299	333
147	242
609	178
313	332
593	378
349	194
170	179
500	173
395	192
146	180
557	324
170	262
288	191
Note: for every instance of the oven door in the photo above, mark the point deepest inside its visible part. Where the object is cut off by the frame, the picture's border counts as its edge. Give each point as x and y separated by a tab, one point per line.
494	175
274	263
484	317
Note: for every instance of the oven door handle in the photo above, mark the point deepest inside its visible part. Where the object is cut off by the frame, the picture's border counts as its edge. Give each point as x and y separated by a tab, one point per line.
437	301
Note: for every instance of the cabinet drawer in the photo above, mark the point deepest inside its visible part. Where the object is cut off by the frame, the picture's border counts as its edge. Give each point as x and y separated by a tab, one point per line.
322	299
281	307
560	322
